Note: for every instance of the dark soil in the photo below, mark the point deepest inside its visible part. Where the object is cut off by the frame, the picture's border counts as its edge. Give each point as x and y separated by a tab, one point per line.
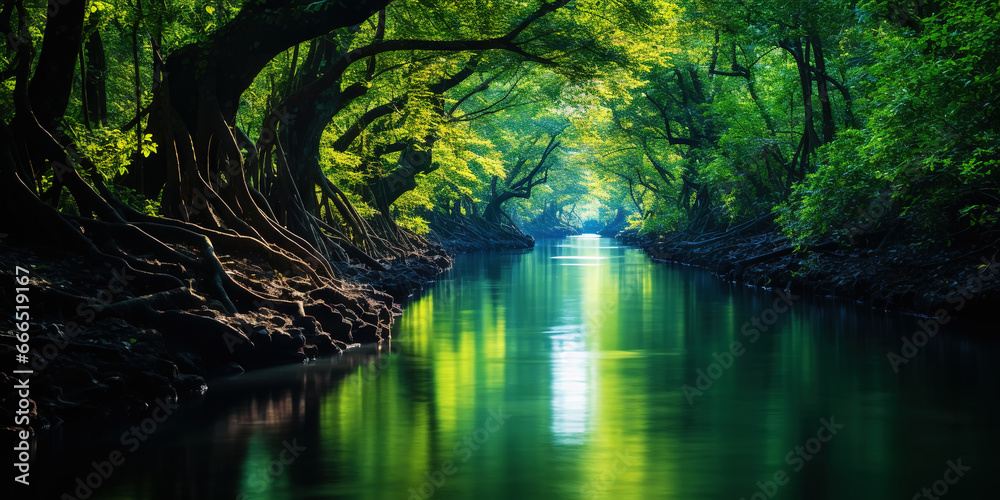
91	364
964	282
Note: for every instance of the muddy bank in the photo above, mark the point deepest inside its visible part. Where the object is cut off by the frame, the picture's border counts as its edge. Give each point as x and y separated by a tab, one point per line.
962	282
102	348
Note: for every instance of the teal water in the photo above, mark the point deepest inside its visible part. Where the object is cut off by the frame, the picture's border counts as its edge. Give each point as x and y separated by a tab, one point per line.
560	373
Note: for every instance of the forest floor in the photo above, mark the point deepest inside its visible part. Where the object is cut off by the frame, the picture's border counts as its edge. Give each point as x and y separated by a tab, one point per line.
961	281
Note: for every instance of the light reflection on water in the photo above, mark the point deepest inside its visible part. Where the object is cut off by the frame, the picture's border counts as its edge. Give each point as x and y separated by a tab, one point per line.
589	362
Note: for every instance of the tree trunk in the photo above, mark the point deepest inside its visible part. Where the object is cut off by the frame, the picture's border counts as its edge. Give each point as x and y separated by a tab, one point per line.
494	209
203	81
52	83
96	81
810	139
822	90
383	191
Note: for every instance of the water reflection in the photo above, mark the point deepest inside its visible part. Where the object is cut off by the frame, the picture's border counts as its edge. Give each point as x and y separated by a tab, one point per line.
571	385
588	361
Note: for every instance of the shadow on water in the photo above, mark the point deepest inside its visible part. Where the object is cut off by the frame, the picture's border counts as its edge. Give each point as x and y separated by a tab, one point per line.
582	370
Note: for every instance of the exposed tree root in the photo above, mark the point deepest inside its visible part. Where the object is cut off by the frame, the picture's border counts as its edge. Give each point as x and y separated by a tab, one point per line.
477	233
254	304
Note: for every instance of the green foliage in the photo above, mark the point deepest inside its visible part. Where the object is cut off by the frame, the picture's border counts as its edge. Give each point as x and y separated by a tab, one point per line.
930	130
136	200
112	150
688	114
839	195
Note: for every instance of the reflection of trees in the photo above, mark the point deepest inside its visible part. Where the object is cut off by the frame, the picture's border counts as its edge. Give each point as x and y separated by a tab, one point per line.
238	430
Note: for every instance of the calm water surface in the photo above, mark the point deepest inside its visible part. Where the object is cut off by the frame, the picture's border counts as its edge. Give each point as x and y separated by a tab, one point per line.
559	373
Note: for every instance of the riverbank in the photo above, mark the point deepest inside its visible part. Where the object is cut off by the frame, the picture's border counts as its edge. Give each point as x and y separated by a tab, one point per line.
102	348
962	281
102	360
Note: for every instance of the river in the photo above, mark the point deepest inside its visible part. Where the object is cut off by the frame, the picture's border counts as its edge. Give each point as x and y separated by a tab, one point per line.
581	369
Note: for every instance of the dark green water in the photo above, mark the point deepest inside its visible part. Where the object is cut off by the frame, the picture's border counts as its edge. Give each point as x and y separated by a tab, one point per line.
558	373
